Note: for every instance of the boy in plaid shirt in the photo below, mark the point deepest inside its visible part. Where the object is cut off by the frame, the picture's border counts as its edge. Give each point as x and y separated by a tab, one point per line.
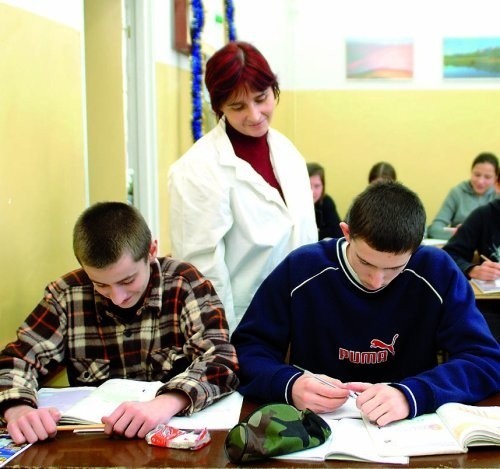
124	314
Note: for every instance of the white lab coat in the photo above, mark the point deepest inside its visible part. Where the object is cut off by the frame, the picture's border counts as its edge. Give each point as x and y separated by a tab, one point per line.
230	223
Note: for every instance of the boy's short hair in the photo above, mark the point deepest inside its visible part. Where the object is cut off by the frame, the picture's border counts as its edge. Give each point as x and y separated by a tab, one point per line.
388	216
106	230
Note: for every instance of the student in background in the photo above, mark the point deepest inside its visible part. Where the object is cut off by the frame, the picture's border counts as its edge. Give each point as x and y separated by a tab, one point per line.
382	170
479	235
124	314
368	313
240	198
466	196
327	218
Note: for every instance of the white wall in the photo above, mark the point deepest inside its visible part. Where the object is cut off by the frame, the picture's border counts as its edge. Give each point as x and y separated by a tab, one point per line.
304	39
68	12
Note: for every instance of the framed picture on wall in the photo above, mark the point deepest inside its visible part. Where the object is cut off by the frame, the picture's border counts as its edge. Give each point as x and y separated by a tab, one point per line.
477	57
182	21
382	58
213	33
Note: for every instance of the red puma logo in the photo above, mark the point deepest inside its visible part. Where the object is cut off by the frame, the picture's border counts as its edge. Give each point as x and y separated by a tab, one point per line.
375	343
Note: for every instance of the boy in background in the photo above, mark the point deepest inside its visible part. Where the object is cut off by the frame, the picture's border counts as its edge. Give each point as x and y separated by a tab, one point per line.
480	233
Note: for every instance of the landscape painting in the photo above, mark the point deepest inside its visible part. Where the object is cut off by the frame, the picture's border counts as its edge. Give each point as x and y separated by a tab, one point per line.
471	57
379	58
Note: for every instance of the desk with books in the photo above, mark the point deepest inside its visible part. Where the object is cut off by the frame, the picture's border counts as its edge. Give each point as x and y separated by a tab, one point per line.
98	450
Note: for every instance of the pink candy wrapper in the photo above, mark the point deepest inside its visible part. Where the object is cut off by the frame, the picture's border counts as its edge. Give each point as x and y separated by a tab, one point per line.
170	437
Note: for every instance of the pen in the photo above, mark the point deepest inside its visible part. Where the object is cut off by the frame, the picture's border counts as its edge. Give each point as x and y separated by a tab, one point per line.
310	373
94	427
484	258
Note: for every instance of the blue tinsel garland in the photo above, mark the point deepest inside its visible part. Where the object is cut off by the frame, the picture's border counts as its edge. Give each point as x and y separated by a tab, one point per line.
229	10
196	67
196	29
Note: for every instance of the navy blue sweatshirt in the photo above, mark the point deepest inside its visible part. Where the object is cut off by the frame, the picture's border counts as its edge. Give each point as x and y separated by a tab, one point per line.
334	326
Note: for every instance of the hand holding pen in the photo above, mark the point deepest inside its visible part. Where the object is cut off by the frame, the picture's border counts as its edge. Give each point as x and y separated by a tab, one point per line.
381	403
488	270
324	381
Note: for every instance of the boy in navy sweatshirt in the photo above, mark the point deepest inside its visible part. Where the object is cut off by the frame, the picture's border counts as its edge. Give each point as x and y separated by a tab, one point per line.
369	313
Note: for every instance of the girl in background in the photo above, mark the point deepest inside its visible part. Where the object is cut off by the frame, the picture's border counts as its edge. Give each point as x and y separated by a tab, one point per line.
327	218
382	171
466	196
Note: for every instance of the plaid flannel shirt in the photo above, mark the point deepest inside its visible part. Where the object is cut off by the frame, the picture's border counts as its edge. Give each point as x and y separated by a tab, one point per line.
179	336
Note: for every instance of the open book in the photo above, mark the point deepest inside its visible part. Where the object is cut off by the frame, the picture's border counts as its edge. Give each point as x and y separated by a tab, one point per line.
87	405
491	286
349	440
452	429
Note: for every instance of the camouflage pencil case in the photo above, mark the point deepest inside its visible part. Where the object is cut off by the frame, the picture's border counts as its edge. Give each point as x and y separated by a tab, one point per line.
272	430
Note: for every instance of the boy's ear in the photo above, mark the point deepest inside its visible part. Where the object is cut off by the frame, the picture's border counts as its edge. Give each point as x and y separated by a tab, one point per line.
153	250
345	230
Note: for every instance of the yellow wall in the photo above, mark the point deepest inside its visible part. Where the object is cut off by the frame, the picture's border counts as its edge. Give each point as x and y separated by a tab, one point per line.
430	136
43	164
43	161
41	158
105	101
174	133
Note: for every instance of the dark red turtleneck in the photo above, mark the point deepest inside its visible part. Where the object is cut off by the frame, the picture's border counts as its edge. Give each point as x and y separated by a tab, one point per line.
255	151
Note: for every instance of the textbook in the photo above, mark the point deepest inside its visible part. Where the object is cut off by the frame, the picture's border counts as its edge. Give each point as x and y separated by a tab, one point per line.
349	440
8	449
88	404
452	429
491	286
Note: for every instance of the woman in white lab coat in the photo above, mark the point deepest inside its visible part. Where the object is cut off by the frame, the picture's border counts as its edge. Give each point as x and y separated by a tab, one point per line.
240	198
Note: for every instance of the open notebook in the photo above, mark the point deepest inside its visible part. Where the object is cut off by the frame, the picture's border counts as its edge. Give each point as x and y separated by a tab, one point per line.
485	286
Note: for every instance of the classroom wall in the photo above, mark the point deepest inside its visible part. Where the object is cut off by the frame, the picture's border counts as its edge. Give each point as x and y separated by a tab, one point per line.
63	145
174	133
431	136
42	177
428	127
104	85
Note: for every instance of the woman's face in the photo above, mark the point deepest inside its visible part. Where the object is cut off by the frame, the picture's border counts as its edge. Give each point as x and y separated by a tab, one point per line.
250	112
316	187
483	177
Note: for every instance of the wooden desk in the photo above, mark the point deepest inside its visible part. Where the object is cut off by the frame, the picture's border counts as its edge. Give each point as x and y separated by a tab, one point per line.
98	450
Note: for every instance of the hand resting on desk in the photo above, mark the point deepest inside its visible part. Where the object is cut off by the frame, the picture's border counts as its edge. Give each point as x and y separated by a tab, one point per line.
136	419
26	424
129	419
